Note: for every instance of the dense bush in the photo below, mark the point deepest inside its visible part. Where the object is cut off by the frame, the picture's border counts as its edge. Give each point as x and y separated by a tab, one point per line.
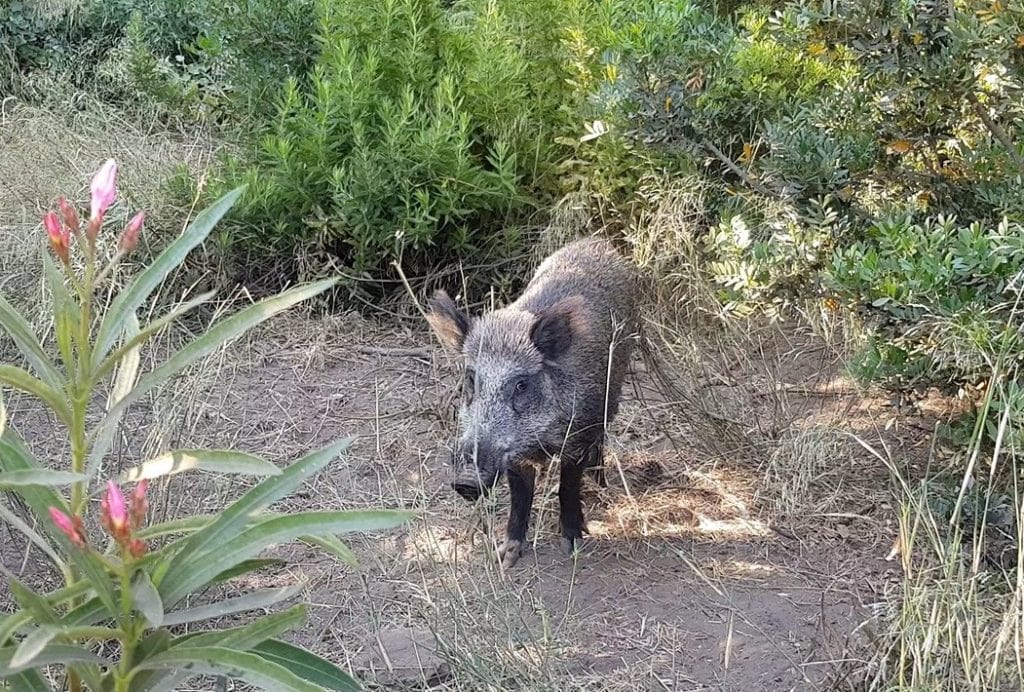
422	133
844	137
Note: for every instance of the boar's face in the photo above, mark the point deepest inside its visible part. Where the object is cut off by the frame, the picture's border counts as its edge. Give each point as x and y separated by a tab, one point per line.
514	390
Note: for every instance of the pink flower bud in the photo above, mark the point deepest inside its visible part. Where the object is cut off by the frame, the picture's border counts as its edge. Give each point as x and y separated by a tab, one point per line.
104	189
139	504
114	513
137	547
69	526
69	215
59	236
130	236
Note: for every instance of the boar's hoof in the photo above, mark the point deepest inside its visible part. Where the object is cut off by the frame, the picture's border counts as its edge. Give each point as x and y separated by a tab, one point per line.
571	545
467	491
510	552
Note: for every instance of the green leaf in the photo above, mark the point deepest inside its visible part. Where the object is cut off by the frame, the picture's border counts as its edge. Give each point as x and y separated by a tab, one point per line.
276	530
179	578
95	571
251	601
9	624
213	460
44	477
238	638
214	660
333	546
54	653
33	645
25	339
29	681
14	456
67	313
184	525
136	293
147	599
3	413
15	521
134	342
33	604
307	665
213	338
248	636
246	566
22	381
127	371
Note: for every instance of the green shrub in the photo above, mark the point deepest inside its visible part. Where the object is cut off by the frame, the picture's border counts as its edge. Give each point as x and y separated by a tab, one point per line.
941	297
421	134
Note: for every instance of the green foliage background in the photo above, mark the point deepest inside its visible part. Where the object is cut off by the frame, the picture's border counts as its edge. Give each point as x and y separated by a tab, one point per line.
865	153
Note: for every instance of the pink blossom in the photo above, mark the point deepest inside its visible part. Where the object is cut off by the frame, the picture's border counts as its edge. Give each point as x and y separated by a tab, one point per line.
139	504
69	215
114	513
130	236
104	190
59	236
69	526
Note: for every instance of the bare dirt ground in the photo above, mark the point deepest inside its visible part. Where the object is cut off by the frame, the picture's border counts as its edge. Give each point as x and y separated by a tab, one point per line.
745	551
741	544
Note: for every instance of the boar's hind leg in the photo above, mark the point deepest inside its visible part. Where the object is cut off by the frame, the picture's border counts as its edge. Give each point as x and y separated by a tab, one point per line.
594	461
521	479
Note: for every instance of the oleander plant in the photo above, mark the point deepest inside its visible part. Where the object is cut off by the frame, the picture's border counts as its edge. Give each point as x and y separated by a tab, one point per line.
124	616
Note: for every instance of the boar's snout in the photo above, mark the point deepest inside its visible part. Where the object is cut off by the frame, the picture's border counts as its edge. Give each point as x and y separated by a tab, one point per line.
470	478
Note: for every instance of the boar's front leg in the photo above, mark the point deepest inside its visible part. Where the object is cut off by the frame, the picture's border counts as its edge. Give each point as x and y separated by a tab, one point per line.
521	481
570	516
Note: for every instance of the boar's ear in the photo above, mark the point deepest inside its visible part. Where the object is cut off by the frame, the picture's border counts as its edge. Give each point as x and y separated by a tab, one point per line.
558	326
449	323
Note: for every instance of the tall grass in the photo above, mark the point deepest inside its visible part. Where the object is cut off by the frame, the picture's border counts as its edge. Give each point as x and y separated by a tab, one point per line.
957	621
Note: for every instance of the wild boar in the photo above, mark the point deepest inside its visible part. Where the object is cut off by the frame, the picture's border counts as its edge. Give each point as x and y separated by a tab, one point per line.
543	376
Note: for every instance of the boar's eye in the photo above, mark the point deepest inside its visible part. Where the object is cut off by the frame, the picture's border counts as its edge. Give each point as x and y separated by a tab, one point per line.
520	388
470	384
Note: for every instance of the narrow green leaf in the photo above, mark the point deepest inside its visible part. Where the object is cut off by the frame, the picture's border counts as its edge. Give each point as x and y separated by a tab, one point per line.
33	645
9	624
333	546
246	566
276	530
179	580
241	665
224	331
66	313
239	604
151	328
132	297
44	477
95	571
147	599
3	413
307	665
213	460
25	339
33	604
238	638
14	456
184	525
24	382
29	681
124	381
54	653
33	536
248	636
